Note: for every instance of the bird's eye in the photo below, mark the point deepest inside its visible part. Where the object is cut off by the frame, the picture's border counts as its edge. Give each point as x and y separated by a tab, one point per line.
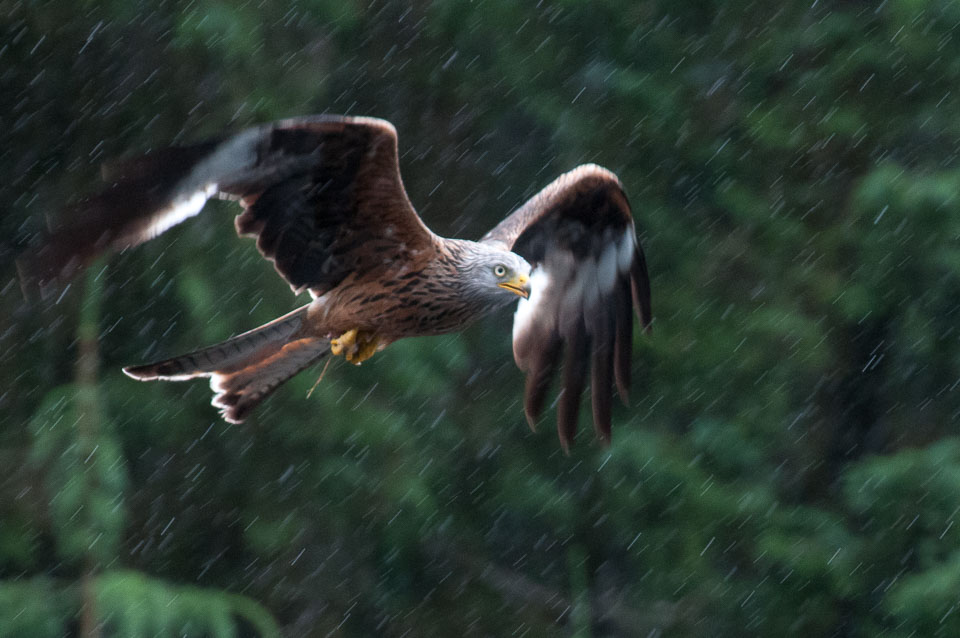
499	270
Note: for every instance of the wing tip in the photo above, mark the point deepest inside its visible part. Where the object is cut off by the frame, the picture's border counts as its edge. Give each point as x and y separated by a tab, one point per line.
531	421
48	268
33	285
564	442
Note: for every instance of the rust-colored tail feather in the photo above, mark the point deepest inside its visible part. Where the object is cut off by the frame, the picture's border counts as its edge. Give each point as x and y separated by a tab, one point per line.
245	369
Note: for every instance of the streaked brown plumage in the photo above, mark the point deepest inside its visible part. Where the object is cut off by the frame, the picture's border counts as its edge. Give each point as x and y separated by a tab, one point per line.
324	199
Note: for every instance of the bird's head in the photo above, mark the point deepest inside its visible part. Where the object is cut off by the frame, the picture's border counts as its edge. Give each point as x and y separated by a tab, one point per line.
512	273
493	276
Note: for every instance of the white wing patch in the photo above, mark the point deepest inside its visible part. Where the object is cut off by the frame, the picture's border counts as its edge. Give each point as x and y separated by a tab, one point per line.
607	269
582	296
528	309
192	192
626	249
182	207
592	279
231	157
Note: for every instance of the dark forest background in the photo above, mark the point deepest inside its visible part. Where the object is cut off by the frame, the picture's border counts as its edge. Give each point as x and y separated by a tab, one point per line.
789	464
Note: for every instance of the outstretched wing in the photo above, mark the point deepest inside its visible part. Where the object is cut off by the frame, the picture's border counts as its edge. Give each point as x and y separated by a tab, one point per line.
322	194
588	270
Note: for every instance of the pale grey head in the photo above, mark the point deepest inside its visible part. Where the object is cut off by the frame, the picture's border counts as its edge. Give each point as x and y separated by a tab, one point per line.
491	277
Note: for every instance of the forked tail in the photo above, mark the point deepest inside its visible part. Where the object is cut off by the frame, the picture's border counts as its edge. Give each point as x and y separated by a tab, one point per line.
245	369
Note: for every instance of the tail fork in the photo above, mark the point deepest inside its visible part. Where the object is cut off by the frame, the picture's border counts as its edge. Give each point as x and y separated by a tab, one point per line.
245	369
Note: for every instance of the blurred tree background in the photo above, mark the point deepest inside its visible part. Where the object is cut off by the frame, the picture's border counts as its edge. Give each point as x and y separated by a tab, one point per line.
789	465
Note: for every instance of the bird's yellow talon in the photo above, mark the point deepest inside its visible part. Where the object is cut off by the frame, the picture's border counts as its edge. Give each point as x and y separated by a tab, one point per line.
345	341
366	349
355	346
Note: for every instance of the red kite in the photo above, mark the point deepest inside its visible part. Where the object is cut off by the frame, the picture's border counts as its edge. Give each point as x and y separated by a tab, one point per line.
324	198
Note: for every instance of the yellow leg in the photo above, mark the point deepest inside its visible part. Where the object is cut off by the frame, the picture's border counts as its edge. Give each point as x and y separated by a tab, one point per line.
345	341
367	348
355	345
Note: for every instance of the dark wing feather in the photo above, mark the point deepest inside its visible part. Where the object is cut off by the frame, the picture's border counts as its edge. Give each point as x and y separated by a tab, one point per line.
322	194
346	214
126	213
588	269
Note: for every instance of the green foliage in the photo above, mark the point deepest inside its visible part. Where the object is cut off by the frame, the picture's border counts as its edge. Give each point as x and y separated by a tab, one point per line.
35	608
131	605
925	602
84	476
135	606
909	499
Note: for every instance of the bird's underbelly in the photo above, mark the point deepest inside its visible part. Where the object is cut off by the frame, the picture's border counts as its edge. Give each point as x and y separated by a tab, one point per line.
391	316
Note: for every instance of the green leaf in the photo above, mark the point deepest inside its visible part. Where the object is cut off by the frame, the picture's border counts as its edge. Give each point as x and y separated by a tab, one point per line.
35	608
84	474
139	606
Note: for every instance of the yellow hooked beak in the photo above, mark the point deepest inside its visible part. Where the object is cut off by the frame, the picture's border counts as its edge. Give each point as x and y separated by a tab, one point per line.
519	285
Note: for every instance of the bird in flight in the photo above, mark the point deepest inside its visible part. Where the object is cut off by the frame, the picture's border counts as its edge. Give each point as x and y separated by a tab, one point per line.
324	198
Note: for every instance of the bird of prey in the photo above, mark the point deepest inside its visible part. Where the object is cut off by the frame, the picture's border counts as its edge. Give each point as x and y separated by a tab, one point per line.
324	199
